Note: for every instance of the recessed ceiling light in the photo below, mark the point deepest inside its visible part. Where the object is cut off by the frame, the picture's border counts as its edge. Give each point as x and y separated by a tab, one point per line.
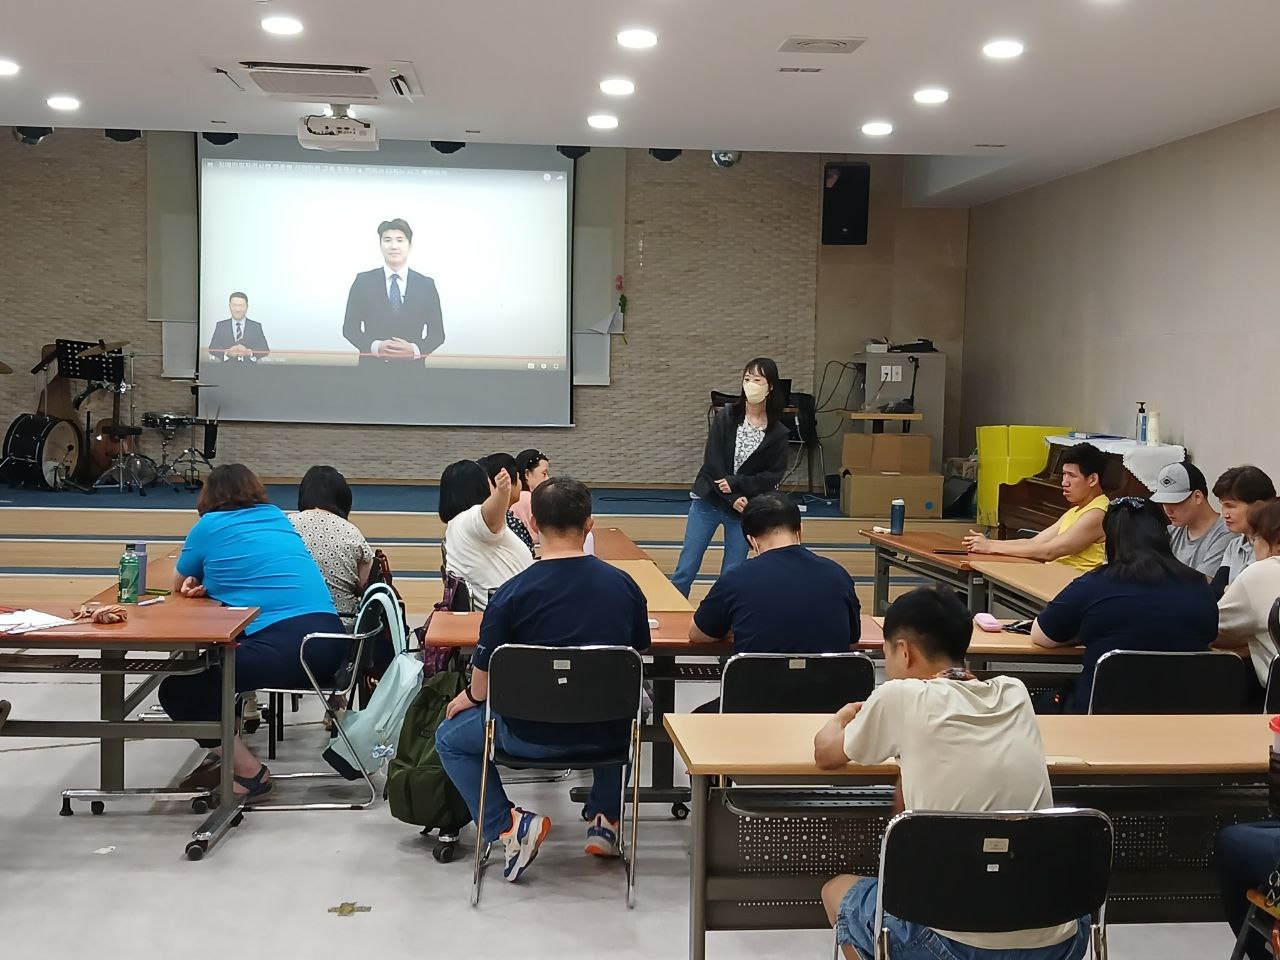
283	26
932	95
63	102
877	128
8	68
638	39
1003	49
617	87
602	121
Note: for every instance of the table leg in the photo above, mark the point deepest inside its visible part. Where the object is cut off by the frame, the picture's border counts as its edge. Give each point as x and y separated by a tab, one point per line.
698	871
230	807
880	589
977	592
662	771
111	749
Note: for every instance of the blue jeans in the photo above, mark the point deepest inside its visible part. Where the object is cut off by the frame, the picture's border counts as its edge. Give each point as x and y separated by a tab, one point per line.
1245	856
855	927
701	526
460	742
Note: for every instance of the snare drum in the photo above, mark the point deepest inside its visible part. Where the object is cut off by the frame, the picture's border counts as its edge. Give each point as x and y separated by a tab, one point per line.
40	449
167	422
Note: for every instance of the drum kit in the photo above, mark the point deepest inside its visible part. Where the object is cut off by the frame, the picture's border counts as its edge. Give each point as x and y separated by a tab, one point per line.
48	449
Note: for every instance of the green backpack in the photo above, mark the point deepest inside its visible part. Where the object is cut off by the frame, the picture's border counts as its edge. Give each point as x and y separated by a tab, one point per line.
418	789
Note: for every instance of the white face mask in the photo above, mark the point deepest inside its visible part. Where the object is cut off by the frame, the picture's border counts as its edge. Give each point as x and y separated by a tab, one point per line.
754	392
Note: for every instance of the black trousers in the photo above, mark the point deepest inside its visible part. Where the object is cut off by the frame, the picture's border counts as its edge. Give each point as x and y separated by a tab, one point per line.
1246	854
268	658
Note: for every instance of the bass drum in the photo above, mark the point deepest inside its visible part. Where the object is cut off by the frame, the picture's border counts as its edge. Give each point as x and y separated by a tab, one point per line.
41	451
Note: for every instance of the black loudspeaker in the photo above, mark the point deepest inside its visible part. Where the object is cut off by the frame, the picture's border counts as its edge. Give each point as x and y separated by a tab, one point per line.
846	189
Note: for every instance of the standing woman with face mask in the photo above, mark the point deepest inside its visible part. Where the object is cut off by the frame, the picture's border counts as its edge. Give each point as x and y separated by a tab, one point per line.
746	454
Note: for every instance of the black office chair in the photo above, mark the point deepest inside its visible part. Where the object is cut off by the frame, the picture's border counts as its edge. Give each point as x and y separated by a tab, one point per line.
566	685
1272	704
1168	682
803	427
994	877
718	402
795	682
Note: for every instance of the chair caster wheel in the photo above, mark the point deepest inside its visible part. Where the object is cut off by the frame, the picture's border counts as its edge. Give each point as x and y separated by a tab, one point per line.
97	808
200	805
237	819
196	849
586	817
251	726
445	852
680	811
66	810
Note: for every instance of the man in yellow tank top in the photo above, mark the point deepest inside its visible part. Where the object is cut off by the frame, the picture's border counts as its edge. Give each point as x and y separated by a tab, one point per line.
1076	539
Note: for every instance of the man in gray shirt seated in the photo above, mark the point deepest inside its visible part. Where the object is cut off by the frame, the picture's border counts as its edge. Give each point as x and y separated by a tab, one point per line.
1196	532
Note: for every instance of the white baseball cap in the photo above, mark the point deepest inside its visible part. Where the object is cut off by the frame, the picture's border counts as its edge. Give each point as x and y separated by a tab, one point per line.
1177	482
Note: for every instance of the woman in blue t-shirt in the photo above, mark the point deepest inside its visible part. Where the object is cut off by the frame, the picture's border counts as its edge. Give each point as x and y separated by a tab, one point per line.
1143	598
244	552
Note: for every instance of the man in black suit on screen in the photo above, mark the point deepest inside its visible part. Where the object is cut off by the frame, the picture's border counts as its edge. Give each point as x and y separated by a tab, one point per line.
393	313
238	337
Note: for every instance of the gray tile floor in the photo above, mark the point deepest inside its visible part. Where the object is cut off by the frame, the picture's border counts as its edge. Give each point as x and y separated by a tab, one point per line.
118	885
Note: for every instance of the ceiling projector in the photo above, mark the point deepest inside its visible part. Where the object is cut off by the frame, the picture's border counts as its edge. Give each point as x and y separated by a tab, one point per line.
336	133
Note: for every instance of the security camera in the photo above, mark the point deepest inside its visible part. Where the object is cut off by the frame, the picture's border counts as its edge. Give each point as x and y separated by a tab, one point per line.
31	135
725	158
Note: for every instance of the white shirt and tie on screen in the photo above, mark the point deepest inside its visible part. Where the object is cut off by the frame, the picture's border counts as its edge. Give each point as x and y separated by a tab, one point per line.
397	286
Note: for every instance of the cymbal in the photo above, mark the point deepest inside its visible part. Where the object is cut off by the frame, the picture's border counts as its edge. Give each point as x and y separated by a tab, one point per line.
102	348
5	368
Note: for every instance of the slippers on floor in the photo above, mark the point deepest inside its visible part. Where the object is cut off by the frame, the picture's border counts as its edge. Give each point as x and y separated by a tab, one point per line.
206	776
257	786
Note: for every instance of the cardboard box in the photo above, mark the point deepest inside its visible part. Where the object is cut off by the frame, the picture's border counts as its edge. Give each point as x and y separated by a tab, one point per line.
868	493
887	452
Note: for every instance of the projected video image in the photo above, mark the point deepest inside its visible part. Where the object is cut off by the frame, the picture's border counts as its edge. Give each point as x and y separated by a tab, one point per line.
356	292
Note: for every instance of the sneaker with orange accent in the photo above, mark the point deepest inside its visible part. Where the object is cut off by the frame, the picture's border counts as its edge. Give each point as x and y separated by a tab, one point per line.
602	837
522	840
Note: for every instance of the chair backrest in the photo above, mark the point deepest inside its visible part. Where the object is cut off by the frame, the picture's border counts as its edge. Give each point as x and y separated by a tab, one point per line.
803	424
565	684
1272	704
1164	682
795	682
994	872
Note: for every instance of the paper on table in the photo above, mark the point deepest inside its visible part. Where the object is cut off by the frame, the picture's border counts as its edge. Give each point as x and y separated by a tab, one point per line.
1066	761
24	621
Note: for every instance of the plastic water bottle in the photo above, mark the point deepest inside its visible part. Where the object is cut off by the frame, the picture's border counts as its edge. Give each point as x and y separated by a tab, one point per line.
130	569
897	516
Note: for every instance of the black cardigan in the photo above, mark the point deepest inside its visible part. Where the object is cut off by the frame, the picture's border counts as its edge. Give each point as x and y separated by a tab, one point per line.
760	473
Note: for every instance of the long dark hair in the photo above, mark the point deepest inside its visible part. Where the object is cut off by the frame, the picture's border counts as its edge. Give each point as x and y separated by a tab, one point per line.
462	485
1138	547
324	488
774	403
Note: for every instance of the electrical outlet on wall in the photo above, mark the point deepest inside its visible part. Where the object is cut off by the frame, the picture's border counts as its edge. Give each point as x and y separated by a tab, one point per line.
886	374
897	374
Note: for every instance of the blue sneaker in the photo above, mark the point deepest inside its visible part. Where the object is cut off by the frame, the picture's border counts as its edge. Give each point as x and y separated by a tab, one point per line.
602	837
522	841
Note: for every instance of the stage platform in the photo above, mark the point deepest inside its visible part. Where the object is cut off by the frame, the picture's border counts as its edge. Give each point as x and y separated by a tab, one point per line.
59	548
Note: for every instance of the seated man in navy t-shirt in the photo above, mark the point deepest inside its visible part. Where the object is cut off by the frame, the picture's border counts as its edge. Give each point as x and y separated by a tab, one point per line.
566	599
786	599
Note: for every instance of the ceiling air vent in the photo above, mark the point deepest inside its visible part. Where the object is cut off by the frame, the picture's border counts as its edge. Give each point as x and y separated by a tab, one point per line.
377	82
799	69
821	44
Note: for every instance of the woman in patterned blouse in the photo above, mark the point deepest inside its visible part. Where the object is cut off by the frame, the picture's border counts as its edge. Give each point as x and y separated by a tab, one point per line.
337	545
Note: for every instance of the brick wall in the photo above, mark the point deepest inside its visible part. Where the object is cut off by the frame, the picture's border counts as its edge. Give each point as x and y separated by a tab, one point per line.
721	266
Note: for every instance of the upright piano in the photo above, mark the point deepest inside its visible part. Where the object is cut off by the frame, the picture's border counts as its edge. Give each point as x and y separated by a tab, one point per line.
1037	502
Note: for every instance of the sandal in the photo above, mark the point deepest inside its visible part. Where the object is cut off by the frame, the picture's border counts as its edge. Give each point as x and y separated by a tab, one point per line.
206	776
257	786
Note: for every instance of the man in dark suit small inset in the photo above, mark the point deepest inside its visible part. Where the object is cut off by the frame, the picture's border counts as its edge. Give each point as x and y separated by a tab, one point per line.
393	313
238	337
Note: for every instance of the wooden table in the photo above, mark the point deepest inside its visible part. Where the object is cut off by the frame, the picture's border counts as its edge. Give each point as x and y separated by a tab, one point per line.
877	419
1007	647
659	592
760	854
613	544
192	635
1024	589
918	553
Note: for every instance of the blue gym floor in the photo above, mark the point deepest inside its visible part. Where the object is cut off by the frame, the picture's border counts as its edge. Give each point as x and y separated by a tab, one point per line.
369	498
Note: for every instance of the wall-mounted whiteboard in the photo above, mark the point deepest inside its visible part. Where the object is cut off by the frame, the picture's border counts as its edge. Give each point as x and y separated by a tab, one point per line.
593	299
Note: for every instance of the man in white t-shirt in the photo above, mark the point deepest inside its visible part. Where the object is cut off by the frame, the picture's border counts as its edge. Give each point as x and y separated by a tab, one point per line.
962	744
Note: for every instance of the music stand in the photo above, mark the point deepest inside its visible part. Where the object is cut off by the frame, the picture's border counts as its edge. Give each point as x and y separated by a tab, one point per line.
104	368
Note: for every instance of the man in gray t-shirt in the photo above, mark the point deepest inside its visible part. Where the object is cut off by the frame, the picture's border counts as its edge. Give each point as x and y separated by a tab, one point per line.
1196	532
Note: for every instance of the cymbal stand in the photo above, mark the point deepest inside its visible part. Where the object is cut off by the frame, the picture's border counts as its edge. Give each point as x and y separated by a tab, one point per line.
187	464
